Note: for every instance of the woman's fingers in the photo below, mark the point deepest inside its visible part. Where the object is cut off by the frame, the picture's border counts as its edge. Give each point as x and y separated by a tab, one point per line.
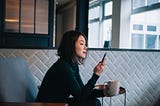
99	68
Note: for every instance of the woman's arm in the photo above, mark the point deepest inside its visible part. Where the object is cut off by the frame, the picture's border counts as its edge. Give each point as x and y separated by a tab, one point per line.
75	85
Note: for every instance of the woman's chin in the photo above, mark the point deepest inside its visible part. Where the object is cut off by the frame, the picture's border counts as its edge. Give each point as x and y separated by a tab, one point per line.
83	57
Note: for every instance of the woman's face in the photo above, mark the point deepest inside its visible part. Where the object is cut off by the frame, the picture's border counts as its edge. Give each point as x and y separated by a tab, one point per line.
81	48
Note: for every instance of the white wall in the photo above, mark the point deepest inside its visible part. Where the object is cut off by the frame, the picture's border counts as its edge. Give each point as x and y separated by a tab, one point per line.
138	71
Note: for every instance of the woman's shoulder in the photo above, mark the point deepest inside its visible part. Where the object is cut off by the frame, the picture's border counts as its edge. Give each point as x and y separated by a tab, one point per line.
66	65
59	66
62	63
62	66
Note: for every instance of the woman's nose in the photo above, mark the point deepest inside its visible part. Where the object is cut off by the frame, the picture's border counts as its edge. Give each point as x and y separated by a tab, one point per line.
85	47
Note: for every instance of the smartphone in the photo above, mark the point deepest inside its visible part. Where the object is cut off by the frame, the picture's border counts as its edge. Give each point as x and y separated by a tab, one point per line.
104	57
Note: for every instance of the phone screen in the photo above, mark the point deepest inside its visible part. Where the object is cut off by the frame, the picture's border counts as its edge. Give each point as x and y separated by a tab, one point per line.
104	57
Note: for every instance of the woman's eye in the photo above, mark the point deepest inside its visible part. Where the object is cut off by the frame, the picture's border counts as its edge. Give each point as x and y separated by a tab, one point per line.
81	44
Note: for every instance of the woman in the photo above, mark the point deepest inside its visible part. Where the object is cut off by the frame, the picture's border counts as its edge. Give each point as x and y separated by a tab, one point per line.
63	78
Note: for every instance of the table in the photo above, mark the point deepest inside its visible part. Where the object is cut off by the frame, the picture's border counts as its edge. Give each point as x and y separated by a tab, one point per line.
105	87
32	104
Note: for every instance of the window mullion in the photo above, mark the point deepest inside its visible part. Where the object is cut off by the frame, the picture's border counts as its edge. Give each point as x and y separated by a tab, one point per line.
35	2
20	14
100	43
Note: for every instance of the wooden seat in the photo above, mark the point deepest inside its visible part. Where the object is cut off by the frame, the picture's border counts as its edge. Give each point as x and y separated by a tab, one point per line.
32	104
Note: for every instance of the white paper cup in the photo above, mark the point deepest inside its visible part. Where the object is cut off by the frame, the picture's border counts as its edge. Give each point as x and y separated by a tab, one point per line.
113	87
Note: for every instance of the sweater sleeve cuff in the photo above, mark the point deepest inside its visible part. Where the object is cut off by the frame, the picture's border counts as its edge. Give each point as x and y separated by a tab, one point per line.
95	76
94	79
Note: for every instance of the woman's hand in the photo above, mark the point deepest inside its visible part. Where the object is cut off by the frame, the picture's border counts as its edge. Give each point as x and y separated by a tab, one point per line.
99	68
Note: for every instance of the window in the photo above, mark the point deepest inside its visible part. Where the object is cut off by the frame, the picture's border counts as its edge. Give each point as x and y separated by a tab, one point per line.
93	38
107	31
143	3
151	41
137	27
138	3
108	9
150	2
12	16
121	23
27	23
137	41
94	12
151	28
145	23
100	23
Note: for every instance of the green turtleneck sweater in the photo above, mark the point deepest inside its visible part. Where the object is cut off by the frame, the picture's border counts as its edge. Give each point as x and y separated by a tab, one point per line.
62	80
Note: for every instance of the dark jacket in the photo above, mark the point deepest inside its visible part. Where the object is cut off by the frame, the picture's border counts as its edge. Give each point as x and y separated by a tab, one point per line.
62	80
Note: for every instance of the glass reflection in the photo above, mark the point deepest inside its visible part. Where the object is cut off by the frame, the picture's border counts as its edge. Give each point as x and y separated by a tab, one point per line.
27	16
42	16
12	15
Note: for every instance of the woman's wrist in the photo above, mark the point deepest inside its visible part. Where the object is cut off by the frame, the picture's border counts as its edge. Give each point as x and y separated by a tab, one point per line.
96	73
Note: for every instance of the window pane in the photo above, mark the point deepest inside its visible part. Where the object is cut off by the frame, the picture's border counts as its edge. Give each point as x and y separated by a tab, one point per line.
149	2
151	41
94	12
42	16
146	23
100	29
27	16
107	30
158	42
12	16
142	3
137	41
138	3
137	27
151	28
108	9
93	37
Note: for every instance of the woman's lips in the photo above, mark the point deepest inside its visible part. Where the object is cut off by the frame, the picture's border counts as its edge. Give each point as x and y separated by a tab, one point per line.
84	52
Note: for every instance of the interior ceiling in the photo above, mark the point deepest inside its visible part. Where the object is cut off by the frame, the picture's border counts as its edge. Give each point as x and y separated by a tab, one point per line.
63	2
62	5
